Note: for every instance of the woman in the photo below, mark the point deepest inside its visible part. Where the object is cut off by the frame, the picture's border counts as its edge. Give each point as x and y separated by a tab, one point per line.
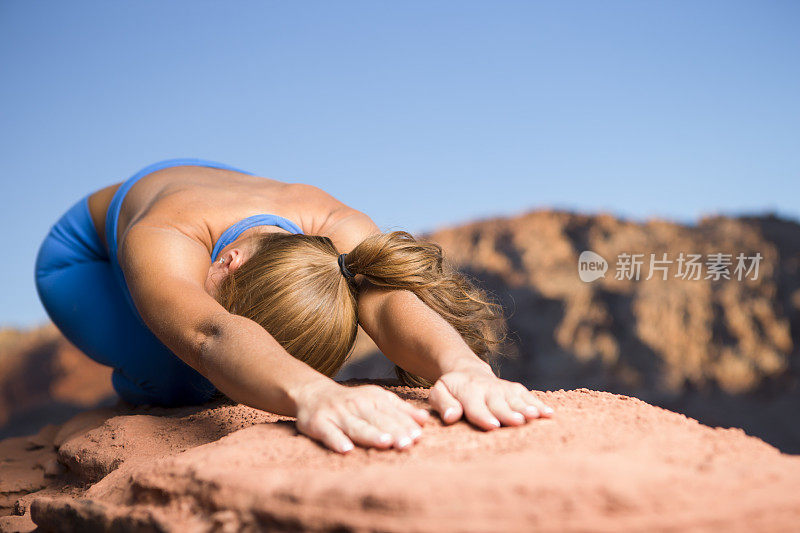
193	276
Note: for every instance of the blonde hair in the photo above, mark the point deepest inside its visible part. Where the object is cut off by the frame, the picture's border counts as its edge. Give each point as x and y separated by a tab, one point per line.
293	287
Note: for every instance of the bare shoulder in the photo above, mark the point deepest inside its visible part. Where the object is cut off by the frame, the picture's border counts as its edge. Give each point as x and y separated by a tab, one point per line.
150	247
330	217
311	197
165	271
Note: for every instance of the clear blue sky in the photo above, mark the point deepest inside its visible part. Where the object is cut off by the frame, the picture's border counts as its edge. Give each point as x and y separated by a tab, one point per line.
420	113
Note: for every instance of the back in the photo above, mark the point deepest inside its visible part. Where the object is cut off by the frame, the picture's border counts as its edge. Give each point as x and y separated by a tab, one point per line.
198	200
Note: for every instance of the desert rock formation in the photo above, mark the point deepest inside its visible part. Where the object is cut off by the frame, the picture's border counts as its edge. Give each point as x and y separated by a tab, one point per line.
603	463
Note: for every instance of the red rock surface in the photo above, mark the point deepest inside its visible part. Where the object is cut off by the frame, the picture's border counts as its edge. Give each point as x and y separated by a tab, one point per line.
602	463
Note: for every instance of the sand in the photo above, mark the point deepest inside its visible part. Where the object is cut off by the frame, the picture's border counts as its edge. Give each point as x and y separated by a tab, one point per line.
604	462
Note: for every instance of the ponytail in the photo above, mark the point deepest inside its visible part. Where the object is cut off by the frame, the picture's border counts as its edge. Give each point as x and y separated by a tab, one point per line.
397	260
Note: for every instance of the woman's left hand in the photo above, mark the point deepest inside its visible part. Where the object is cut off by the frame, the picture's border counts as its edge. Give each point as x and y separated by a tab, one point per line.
486	400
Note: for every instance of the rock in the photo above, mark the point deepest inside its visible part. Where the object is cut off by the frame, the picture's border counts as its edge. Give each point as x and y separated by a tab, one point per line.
16	524
81	423
603	462
45	438
52	468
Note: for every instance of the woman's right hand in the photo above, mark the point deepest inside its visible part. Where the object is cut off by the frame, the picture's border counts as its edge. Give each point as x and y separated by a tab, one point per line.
367	415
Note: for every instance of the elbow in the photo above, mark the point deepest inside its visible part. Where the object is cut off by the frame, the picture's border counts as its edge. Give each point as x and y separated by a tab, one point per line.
377	305
208	337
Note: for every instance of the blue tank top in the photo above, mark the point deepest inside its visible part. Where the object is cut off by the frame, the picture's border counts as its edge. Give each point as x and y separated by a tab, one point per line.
227	237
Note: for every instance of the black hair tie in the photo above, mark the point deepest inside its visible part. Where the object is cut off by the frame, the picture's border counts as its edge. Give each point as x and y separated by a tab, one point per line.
346	273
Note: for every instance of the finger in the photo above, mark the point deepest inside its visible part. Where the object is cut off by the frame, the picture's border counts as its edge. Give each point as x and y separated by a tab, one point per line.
365	434
408	417
409	430
410	427
386	422
331	436
524	407
498	405
420	416
386	397
478	413
544	409
444	403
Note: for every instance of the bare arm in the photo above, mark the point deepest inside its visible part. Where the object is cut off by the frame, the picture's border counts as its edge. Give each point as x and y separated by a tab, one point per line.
421	341
407	331
247	364
413	335
165	271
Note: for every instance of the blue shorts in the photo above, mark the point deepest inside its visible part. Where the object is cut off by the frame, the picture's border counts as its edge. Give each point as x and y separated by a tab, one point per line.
84	298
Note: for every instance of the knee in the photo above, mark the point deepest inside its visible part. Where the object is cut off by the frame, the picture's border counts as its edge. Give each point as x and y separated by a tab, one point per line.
50	260
46	285
41	267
